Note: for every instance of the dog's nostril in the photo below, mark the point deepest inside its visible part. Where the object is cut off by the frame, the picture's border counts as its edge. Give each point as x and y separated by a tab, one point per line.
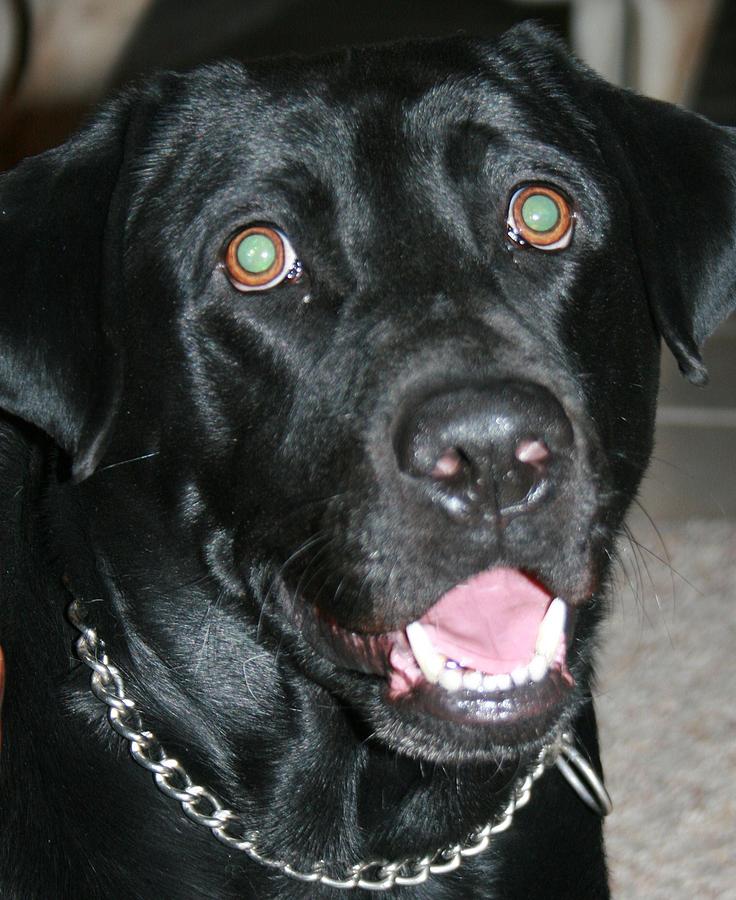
533	453
521	482
449	465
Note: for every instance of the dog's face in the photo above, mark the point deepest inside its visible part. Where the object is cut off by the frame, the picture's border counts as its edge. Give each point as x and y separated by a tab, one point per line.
385	327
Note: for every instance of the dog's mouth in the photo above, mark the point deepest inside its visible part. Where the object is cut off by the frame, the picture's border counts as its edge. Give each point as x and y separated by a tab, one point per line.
491	652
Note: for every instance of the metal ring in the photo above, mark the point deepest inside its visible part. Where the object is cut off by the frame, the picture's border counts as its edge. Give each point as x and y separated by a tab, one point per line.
453	857
572	764
475	849
419	877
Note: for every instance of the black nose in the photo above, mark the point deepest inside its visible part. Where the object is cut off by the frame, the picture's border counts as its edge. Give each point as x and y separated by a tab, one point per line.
492	449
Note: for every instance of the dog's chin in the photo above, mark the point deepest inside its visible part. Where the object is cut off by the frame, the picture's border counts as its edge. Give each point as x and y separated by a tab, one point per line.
429	728
430	688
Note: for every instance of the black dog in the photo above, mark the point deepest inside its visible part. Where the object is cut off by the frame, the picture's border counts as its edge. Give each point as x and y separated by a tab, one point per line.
321	380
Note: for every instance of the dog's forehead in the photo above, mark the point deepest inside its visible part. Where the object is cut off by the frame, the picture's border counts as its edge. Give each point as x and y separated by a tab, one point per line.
373	102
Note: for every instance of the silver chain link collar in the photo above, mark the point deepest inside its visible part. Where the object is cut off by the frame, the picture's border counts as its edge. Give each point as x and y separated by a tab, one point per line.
205	809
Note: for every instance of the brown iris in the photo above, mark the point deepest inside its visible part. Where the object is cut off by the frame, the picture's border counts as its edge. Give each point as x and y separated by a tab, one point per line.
541	216
255	257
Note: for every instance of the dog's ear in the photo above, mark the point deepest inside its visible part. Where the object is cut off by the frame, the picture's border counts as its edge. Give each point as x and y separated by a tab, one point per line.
680	171
59	368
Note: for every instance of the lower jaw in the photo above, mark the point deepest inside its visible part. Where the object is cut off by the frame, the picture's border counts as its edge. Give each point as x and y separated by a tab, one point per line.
427	721
522	715
484	724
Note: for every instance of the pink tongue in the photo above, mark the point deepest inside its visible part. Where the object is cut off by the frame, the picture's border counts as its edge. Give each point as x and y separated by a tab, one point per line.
490	622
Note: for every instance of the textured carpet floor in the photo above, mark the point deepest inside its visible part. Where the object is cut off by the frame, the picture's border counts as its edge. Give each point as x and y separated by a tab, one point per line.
667	709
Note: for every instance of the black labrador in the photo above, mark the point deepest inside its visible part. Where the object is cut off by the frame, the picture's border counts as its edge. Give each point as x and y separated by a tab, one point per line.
326	387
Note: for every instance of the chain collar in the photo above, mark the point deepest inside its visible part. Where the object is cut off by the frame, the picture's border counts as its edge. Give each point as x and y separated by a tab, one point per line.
206	809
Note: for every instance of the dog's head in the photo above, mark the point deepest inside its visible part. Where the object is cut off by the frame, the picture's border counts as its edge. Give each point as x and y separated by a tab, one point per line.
381	331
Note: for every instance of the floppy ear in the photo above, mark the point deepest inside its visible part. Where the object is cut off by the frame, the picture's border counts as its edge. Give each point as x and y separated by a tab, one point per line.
680	170
59	368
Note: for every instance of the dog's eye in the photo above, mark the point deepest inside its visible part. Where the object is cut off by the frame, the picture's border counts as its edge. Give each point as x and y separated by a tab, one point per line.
541	217
259	257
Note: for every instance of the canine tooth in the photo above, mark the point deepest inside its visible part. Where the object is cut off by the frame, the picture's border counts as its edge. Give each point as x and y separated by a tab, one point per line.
551	629
472	679
520	675
538	667
428	659
451	679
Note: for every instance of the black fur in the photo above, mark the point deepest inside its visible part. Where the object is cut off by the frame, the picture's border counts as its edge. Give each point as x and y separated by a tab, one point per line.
204	466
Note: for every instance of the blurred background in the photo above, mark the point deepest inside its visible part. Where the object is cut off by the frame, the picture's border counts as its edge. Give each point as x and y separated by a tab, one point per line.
668	671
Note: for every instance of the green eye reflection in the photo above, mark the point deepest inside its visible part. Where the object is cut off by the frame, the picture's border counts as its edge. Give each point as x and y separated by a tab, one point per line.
540	213
256	253
259	257
540	216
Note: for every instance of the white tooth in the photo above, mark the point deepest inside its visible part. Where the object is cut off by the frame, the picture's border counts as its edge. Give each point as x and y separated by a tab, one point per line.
500	682
551	629
472	679
451	679
505	682
520	675
538	667
428	659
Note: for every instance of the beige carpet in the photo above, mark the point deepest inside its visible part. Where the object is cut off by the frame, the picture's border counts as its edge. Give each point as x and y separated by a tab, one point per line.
667	705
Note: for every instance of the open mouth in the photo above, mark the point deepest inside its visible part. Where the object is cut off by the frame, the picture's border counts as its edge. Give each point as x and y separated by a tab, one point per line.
490	652
498	630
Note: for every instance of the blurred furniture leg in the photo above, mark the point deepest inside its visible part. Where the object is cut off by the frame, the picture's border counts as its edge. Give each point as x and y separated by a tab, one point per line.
598	35
654	46
673	39
14	29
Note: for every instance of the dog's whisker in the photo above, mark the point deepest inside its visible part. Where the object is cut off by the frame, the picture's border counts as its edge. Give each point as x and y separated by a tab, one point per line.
665	560
206	625
621	565
125	462
643	567
634	560
330	577
674	573
340	588
246	662
278	650
306	578
368	738
311	542
314	541
321	570
363	585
